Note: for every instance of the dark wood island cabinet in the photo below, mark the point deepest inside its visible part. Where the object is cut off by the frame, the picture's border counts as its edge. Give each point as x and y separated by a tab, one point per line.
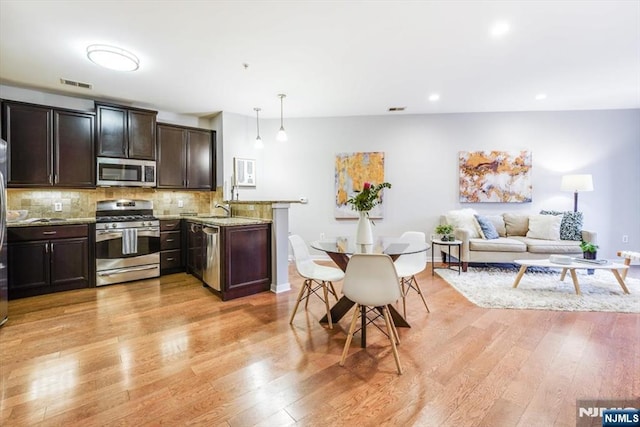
48	146
244	257
245	260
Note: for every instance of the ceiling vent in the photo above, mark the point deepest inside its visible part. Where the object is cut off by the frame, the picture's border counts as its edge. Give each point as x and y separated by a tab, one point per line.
397	108
76	84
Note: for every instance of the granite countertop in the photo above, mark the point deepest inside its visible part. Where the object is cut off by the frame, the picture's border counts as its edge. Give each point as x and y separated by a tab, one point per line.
203	219
260	202
39	222
217	220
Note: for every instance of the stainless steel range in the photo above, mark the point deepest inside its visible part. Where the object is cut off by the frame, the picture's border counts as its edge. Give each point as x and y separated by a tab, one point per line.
127	241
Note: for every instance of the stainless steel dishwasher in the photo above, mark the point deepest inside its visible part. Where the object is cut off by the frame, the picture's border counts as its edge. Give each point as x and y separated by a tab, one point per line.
211	274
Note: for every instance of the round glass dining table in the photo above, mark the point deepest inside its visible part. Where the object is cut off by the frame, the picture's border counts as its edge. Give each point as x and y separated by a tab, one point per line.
341	248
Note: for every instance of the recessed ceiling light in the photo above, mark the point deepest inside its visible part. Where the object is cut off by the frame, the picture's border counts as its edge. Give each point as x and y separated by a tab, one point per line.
541	96
113	58
499	29
434	97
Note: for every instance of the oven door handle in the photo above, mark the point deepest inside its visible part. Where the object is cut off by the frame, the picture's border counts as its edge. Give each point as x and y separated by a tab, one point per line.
144	232
127	270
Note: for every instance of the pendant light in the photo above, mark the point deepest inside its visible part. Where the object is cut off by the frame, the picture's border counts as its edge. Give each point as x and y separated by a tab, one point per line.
282	135
258	143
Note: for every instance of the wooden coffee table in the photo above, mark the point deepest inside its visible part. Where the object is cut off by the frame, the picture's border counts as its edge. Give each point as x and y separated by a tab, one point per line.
575	265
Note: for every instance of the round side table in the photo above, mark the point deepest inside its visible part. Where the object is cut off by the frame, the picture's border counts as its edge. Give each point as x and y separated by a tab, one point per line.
449	244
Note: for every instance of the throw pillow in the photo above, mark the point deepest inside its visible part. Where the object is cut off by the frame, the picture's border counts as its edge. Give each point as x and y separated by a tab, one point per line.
571	225
488	229
516	224
465	219
545	227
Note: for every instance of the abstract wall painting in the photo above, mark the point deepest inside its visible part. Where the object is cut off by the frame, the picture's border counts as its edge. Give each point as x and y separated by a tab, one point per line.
352	171
495	176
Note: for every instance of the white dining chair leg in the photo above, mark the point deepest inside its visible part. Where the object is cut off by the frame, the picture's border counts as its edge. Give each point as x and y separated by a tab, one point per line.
352	328
309	284
390	330
295	309
419	291
333	291
404	297
395	331
326	303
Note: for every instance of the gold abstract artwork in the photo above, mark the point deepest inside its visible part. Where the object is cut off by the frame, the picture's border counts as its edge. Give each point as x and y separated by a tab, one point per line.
352	170
495	176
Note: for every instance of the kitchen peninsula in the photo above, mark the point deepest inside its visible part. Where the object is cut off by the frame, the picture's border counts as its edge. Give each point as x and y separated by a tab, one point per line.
278	212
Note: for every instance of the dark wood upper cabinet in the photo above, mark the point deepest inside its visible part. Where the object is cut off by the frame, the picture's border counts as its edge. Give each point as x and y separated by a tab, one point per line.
199	159
126	132
27	130
185	157
142	135
48	147
172	160
74	160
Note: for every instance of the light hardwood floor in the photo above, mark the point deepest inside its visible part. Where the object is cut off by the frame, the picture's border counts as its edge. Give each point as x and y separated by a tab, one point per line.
168	352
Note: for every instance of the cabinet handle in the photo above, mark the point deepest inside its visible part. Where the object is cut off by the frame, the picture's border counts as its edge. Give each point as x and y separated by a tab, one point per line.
51	248
50	179
173	224
46	248
170	259
170	240
49	233
56	179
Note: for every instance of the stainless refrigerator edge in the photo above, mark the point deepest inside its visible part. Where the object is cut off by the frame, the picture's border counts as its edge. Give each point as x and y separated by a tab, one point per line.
4	291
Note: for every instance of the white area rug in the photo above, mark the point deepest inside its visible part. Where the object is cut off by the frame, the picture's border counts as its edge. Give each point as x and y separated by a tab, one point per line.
493	288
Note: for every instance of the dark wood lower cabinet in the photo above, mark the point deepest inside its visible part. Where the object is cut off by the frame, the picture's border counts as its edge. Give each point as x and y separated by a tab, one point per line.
245	260
171	246
43	260
196	249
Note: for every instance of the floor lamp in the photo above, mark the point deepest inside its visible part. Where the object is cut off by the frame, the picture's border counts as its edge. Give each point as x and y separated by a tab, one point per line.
576	183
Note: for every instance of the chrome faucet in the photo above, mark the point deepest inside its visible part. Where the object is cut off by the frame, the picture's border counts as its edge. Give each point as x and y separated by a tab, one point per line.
225	208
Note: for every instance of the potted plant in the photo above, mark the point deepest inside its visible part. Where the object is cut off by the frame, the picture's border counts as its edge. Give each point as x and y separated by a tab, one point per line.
589	250
446	232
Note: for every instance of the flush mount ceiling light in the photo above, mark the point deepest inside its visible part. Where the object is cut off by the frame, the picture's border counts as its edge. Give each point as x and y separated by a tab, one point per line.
499	29
112	57
541	96
434	97
282	135
258	143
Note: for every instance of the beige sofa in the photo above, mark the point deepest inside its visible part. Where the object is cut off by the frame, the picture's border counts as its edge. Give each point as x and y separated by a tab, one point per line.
511	244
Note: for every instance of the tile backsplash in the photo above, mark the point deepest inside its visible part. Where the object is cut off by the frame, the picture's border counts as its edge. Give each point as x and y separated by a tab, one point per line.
82	203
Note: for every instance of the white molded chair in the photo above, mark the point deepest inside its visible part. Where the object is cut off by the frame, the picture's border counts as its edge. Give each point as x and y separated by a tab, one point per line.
408	266
316	277
371	281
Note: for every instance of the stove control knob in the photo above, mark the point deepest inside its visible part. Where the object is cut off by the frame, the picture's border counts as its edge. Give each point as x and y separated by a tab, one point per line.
114	225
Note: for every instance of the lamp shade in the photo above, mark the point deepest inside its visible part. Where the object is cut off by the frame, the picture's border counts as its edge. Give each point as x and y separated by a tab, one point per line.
577	183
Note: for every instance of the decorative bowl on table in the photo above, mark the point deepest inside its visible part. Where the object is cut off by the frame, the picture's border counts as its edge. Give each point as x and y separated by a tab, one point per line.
19	215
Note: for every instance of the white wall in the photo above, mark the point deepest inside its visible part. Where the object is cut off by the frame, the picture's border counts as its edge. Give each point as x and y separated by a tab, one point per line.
421	155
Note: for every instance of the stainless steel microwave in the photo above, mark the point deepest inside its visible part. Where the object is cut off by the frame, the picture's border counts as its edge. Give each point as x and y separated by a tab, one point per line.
125	172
